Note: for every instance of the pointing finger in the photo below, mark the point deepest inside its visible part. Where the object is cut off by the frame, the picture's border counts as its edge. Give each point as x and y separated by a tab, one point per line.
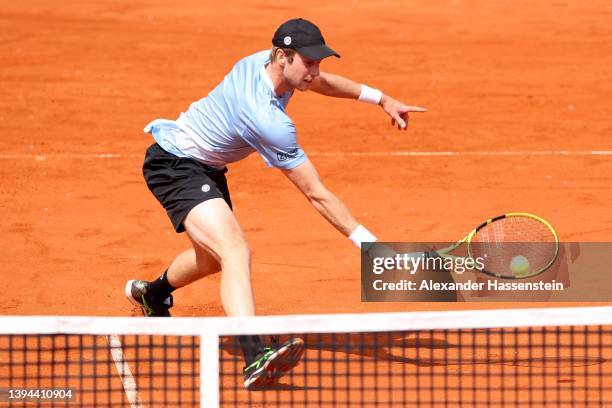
407	108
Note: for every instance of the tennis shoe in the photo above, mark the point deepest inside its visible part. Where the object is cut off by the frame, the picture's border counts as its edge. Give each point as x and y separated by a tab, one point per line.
137	292
272	363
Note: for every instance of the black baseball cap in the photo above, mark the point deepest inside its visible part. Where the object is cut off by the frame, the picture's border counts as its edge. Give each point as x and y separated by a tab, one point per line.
304	37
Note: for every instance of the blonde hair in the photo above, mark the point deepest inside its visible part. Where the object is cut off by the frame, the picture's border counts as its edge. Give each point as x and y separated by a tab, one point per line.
288	52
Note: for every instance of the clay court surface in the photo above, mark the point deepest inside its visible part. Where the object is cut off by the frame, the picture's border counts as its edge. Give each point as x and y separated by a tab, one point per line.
80	79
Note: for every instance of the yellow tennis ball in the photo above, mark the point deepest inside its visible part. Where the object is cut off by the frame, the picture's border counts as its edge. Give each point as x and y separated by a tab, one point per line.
519	265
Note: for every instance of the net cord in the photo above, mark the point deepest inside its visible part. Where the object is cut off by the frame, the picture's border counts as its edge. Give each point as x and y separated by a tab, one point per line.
323	323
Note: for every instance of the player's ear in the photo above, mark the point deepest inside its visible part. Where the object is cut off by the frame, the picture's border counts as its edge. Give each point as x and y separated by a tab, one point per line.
279	56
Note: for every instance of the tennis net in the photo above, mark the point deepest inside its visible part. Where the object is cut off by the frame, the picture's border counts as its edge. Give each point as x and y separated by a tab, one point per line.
485	358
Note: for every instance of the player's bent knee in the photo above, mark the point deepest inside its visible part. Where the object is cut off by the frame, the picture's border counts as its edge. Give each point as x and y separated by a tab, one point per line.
237	255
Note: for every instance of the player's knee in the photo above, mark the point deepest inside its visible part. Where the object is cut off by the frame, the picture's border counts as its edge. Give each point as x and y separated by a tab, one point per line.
236	254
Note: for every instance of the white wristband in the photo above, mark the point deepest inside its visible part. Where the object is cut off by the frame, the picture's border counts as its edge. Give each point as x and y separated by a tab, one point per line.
361	235
370	95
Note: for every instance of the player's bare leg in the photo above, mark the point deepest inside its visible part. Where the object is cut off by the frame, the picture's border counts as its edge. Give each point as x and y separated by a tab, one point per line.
212	227
191	265
218	244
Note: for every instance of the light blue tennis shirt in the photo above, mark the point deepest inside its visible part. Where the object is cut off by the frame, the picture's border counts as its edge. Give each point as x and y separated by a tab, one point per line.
240	116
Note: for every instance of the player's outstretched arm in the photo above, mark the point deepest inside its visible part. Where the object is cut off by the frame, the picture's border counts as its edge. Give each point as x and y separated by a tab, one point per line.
306	179
341	87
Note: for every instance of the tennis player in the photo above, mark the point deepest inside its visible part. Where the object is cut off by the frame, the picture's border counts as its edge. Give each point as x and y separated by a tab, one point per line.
185	170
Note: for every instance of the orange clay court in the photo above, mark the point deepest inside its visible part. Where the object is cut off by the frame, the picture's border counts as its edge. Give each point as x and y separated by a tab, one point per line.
80	79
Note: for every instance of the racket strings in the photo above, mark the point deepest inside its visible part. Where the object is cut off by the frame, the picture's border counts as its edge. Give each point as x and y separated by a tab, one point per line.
498	242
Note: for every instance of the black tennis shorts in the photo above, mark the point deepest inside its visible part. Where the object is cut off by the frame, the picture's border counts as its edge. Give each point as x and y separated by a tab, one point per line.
180	184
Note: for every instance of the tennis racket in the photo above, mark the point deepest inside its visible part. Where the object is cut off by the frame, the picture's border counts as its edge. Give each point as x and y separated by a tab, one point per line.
513	246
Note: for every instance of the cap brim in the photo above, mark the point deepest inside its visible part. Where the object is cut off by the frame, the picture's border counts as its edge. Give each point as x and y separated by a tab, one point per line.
317	52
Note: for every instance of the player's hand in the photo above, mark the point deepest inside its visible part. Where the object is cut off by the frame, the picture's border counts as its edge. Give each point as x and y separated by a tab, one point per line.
398	111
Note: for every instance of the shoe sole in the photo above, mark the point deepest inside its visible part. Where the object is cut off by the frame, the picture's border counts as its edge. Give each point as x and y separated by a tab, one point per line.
279	363
289	356
263	378
131	298
128	293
